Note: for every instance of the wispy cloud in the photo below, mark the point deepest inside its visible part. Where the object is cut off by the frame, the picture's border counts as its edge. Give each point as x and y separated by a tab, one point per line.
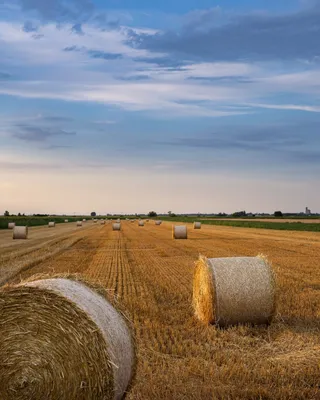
30	133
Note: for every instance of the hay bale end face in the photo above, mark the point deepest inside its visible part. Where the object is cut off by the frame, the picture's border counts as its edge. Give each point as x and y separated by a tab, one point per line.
180	232
51	224
116	227
197	225
20	232
235	290
74	346
11	225
79	223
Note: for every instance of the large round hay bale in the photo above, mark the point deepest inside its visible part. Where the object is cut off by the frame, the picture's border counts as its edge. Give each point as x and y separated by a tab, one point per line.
79	223
116	227
51	224
141	223
197	225
180	232
11	225
235	290
20	232
62	340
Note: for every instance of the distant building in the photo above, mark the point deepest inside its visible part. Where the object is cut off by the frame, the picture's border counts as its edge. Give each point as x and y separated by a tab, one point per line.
308	211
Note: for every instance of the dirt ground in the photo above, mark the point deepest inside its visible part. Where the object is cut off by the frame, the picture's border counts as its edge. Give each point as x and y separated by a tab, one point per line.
151	275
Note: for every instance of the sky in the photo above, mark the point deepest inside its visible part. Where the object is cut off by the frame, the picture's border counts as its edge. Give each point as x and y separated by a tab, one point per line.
129	106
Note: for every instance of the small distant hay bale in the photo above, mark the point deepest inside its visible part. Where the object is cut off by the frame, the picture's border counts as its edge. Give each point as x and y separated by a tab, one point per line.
116	226
157	223
102	222
197	225
95	220
20	232
141	223
66	220
79	223
180	232
132	220
60	339
11	225
51	224
84	220
118	221
235	290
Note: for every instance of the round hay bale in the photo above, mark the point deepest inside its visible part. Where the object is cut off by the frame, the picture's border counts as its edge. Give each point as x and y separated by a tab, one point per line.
197	225
180	232
141	223
235	290
79	223
118	221
95	220
84	220
66	220
20	232
102	222
11	225
116	227
157	223
62	340
51	224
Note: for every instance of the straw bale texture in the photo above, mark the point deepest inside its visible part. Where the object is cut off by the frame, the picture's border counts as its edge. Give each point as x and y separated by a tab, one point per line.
79	223
62	340
11	225
197	225
235	290
20	232
180	232
116	227
51	224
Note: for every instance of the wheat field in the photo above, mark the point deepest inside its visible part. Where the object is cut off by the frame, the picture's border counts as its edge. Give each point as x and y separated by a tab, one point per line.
151	276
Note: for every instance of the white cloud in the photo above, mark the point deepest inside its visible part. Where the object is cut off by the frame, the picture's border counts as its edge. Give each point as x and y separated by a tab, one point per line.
43	70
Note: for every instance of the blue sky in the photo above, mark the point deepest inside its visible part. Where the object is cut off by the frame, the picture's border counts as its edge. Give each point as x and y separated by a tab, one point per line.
127	106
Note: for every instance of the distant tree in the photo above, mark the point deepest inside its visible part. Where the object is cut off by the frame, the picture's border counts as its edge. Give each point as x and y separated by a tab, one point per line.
6	214
239	214
152	214
19	214
278	214
169	212
172	214
93	214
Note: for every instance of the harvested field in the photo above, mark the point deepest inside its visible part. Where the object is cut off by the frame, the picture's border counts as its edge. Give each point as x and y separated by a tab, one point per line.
151	275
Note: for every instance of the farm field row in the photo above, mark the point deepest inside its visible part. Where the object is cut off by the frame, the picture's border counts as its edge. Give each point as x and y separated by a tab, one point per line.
150	274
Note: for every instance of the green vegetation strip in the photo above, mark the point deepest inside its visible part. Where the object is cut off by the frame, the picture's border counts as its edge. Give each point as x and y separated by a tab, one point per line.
34	221
283	226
